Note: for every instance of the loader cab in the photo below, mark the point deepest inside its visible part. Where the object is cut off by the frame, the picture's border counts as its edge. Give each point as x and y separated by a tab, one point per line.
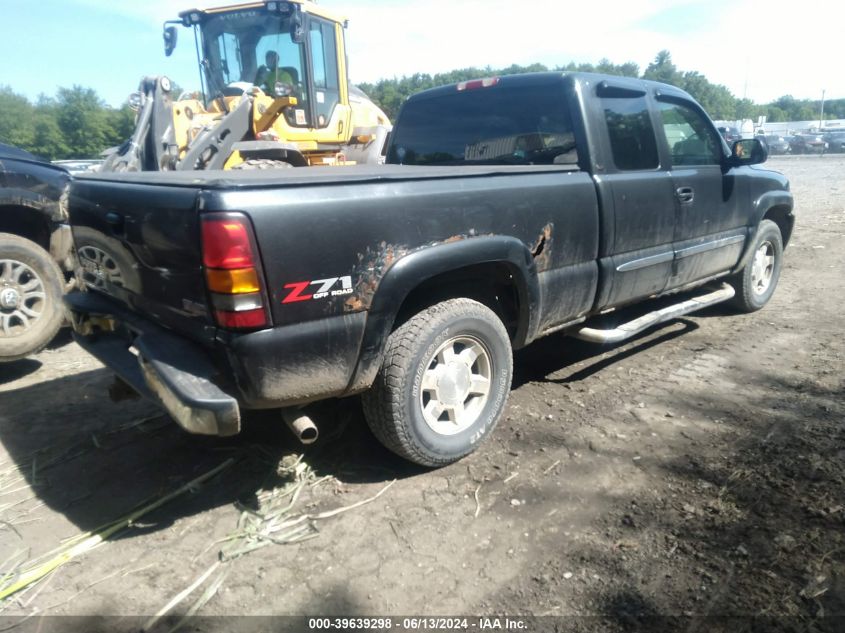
236	47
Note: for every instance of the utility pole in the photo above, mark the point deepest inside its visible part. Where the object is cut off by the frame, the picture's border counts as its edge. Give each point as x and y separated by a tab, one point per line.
821	113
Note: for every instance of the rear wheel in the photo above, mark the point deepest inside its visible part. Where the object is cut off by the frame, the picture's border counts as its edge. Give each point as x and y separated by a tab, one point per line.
31	287
755	284
443	384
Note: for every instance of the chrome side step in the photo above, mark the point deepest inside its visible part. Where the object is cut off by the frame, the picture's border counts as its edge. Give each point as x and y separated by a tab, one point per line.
632	328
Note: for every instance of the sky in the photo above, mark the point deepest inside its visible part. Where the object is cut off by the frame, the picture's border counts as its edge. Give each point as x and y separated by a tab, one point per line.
755	50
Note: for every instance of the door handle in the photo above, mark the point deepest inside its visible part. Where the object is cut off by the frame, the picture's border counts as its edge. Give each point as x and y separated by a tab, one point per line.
685	194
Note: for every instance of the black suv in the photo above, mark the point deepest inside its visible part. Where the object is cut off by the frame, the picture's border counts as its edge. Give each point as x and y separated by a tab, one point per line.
35	251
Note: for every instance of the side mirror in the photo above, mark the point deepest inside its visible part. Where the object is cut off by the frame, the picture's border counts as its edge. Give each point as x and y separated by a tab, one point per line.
169	35
297	29
748	151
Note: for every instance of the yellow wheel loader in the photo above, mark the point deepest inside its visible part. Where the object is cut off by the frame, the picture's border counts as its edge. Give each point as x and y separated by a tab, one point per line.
274	93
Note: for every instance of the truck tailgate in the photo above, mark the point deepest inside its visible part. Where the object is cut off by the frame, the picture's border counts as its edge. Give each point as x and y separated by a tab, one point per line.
140	244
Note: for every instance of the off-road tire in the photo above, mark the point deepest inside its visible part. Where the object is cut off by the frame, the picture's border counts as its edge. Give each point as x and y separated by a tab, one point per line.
747	298
262	163
23	253
393	406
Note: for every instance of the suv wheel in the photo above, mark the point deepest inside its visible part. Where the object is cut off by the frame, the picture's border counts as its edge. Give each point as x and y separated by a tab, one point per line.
30	297
443	384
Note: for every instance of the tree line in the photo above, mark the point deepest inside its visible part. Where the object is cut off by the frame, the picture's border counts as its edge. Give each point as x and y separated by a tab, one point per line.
77	123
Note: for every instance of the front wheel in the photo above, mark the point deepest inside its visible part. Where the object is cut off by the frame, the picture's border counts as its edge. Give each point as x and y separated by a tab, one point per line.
755	284
443	383
31	286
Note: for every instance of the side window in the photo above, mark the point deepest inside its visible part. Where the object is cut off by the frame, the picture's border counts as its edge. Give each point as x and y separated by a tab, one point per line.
632	140
274	52
282	61
230	54
690	139
319	56
324	58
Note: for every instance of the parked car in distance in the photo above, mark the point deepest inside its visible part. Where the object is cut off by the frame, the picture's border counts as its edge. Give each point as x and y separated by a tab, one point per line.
35	251
80	166
808	144
835	141
730	134
777	144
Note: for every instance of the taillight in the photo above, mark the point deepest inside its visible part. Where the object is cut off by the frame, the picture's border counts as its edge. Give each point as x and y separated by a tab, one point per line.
231	272
245	320
233	282
226	243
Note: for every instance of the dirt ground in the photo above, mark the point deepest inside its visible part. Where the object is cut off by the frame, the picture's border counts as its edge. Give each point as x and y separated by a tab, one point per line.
698	470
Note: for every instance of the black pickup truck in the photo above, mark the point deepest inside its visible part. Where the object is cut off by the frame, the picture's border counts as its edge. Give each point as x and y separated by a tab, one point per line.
510	208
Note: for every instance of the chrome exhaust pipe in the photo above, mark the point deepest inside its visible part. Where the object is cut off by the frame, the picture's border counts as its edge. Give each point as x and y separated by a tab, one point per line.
301	425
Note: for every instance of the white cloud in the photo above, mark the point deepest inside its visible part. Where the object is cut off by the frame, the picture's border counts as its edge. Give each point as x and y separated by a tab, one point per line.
741	43
766	53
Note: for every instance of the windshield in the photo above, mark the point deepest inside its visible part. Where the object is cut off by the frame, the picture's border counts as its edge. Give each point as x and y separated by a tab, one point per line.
251	47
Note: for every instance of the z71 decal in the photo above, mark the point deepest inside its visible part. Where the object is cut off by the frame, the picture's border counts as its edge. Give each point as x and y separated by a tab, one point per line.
298	291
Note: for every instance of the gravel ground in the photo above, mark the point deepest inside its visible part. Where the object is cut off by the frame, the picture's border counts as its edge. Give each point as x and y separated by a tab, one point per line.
694	471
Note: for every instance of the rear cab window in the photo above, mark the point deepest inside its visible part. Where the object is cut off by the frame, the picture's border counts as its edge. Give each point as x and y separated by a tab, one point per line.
492	125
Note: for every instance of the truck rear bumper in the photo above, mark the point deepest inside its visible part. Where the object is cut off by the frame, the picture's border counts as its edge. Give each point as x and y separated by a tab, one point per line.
169	369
